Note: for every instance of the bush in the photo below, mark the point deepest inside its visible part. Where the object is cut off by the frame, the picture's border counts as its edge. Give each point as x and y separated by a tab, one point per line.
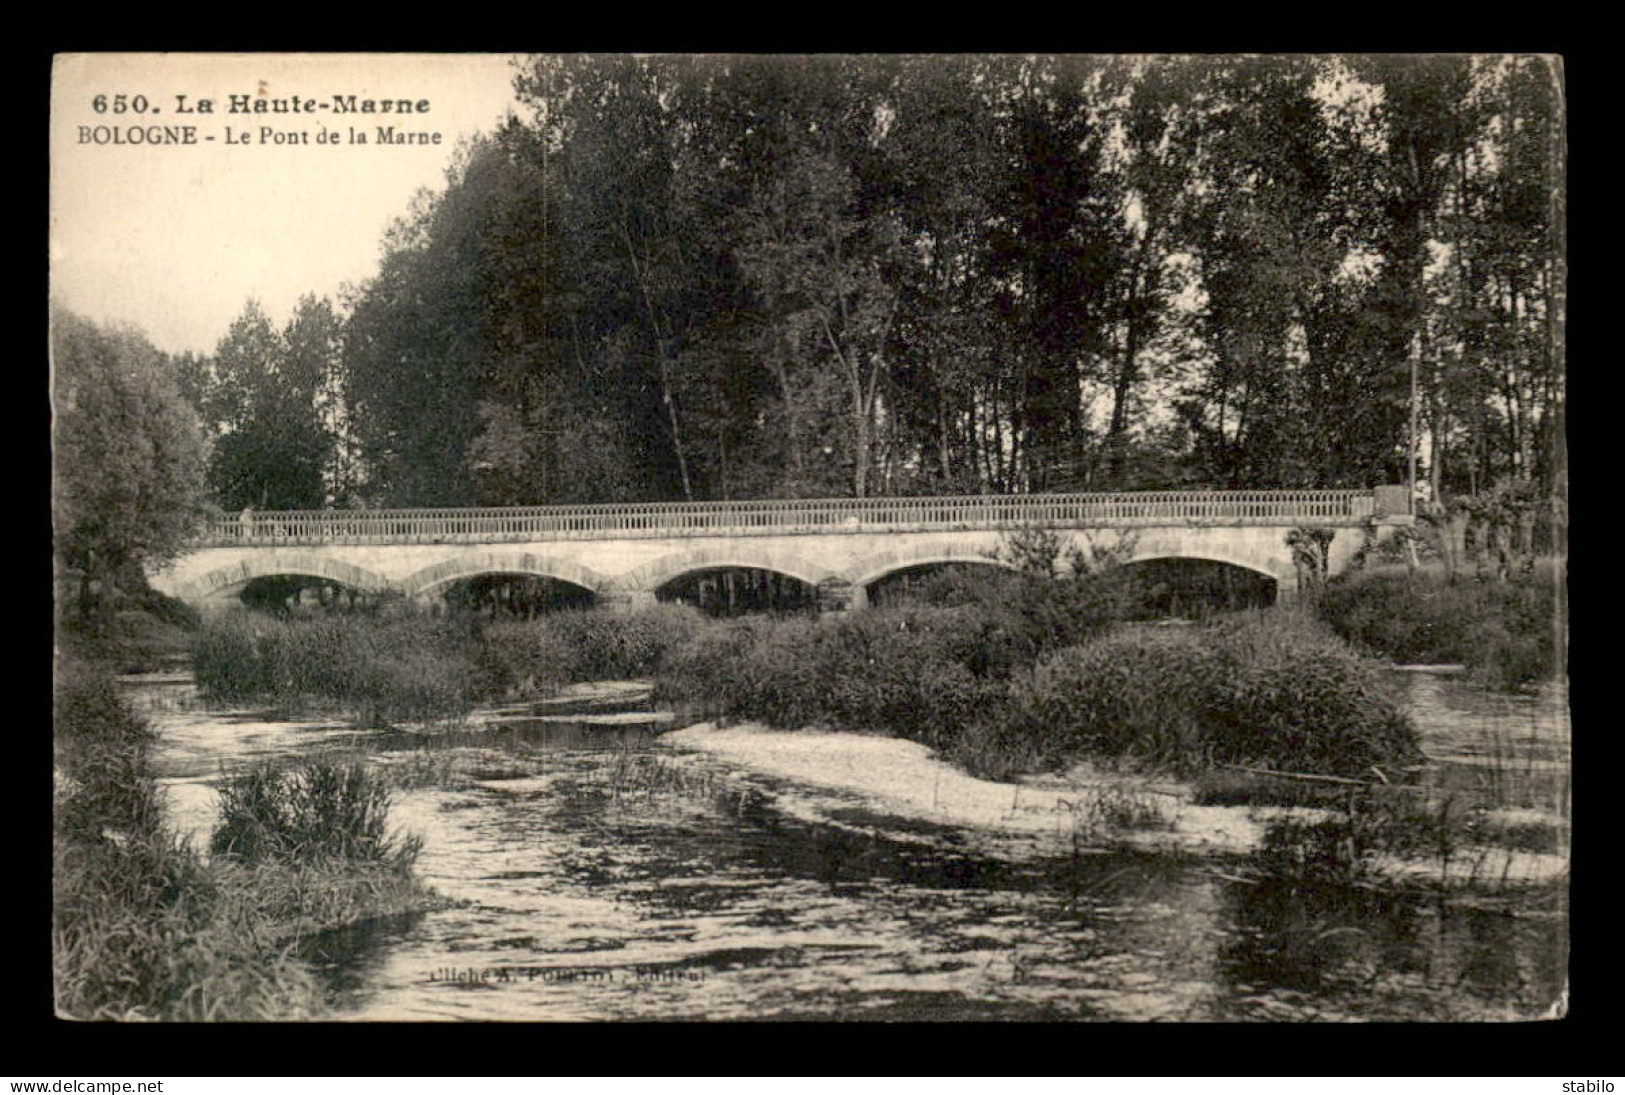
900	671
1130	694
1261	691
537	656
520	658
1008	619
1503	630
379	671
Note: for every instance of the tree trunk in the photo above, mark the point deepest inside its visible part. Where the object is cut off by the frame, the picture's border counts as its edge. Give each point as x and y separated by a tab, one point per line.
667	395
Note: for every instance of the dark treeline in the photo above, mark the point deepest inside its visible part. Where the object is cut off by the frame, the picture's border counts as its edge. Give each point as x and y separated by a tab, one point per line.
735	277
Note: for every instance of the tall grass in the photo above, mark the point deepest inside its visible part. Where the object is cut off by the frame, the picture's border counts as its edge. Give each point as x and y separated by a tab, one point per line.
1504	631
379	671
1430	839
1010	619
319	812
527	658
382	671
312	845
137	914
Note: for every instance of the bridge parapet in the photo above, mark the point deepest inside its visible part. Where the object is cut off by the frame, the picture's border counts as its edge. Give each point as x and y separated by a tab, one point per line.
773	517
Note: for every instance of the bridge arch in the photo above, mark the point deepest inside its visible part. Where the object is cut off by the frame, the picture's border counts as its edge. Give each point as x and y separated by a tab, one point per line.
224	580
1219	581
472	565
1271	568
872	568
657	572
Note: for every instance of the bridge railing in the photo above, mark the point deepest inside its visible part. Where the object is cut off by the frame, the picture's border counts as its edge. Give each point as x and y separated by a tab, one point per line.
774	516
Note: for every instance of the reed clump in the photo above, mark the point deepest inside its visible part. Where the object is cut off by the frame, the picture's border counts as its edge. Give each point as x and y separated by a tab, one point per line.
312	844
910	672
319	812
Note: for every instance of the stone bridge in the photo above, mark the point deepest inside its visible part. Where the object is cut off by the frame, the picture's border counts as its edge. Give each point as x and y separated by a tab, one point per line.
625	553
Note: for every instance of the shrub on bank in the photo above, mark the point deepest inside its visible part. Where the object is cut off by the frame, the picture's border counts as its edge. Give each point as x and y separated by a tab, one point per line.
901	671
1502	630
1261	690
537	656
379	671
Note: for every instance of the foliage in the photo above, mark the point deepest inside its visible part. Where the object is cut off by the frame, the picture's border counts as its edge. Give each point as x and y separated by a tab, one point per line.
1503	522
1036	549
413	669
1506	631
379	671
263	394
897	671
1264	691
1311	554
139	922
128	462
417	336
1012	619
535	657
734	276
715	277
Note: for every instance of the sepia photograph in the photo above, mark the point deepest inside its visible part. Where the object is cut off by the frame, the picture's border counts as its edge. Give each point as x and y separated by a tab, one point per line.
725	537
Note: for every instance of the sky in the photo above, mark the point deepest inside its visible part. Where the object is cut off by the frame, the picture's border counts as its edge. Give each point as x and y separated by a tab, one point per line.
175	238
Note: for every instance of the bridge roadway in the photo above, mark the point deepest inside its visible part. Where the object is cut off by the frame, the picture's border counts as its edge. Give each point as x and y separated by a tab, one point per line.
625	553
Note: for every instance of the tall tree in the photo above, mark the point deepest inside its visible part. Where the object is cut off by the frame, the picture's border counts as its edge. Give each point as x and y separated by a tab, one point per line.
273	447
942	157
1057	253
128	459
417	343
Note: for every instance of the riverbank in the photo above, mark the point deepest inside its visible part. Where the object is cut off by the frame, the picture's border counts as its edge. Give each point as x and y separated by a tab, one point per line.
894	781
902	787
148	927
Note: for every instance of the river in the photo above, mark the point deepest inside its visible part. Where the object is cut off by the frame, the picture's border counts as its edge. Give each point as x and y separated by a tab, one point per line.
594	869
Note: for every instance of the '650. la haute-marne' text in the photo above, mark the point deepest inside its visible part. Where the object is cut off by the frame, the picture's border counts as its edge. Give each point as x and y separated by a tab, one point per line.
244	103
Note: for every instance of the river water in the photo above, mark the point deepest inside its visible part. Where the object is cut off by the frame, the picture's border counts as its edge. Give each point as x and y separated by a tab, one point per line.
594	870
